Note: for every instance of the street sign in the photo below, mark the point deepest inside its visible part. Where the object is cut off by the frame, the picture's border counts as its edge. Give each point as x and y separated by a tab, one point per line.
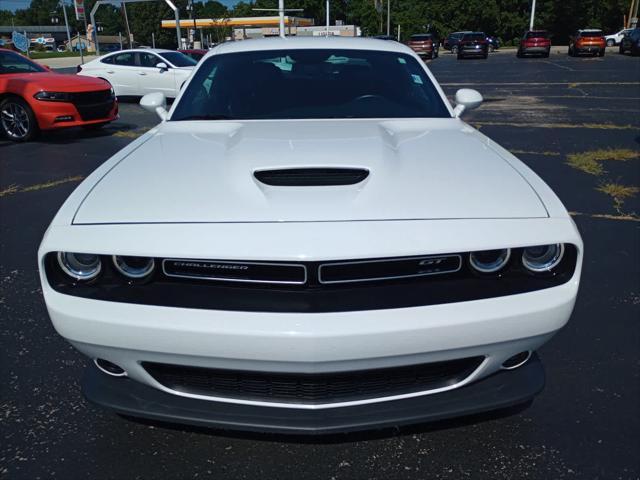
20	41
79	6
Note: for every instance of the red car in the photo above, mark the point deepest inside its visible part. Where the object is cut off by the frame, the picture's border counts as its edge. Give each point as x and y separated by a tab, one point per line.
424	44
534	42
33	98
196	54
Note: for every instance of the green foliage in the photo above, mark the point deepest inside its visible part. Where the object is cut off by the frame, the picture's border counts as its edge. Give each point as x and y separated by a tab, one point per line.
507	19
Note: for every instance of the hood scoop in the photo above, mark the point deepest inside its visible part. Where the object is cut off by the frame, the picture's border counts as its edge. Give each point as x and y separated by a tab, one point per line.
311	177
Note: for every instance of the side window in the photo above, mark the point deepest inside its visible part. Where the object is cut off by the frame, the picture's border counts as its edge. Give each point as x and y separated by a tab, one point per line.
125	59
147	59
108	60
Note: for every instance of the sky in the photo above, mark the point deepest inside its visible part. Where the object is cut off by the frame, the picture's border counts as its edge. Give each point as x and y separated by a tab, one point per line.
17	4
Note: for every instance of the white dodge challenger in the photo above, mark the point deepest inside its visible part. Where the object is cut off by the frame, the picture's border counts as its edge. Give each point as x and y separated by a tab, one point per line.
311	241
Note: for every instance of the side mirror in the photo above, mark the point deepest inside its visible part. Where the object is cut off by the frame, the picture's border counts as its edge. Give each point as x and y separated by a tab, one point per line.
466	99
156	103
162	66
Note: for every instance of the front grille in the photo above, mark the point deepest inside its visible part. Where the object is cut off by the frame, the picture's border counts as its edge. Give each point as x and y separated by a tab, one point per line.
324	388
248	272
93	105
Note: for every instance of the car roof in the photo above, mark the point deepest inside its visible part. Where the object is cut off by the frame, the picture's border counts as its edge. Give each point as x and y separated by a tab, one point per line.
154	50
341	43
589	30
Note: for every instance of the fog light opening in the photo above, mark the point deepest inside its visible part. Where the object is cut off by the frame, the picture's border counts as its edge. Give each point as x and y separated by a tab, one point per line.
109	368
516	361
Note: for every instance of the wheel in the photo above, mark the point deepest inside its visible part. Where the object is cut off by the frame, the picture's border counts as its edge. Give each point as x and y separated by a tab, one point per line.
570	52
545	54
601	53
431	55
437	53
454	49
519	53
485	56
611	43
17	120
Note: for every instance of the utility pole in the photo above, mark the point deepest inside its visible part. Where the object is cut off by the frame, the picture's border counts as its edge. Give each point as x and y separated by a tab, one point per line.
388	17
126	21
281	14
533	14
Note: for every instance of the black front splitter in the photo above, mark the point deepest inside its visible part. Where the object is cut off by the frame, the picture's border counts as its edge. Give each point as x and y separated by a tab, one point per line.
501	390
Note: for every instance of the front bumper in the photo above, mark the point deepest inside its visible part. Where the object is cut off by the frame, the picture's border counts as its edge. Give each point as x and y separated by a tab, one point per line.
128	397
535	50
473	52
54	115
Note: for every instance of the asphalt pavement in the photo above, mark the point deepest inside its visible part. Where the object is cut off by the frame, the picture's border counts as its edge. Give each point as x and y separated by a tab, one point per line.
574	121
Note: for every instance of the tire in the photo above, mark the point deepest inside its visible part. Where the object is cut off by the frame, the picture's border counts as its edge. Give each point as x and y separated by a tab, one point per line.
611	43
570	52
26	126
545	54
454	49
460	57
601	53
430	57
485	56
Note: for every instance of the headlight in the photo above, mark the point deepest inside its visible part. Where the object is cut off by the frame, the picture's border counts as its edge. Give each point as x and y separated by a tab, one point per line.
80	266
53	96
134	267
489	261
542	258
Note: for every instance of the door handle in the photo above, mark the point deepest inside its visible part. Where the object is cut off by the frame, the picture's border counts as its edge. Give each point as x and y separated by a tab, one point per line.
141	73
110	71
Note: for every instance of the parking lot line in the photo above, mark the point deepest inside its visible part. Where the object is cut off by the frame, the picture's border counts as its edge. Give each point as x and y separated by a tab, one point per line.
13	189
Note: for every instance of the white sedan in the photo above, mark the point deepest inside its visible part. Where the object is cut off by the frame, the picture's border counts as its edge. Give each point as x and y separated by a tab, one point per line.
616	38
311	241
142	71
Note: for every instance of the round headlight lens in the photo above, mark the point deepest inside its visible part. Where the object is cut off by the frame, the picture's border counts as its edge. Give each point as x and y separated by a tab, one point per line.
80	266
134	267
542	258
489	261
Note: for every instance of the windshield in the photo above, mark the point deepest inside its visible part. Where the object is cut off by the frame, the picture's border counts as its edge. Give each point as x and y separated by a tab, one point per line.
314	83
592	33
474	36
13	63
178	59
420	38
537	35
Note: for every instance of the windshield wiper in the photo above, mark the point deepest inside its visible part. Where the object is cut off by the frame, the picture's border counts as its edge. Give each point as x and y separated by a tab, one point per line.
207	117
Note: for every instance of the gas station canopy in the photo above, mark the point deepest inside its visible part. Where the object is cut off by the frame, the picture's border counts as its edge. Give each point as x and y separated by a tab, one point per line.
239	22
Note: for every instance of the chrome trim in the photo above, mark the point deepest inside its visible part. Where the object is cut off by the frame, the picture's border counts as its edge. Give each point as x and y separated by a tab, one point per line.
238	280
107	372
395	277
319	406
70	273
517	365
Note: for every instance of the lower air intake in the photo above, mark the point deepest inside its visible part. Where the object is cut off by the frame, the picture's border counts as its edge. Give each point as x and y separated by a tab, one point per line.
323	388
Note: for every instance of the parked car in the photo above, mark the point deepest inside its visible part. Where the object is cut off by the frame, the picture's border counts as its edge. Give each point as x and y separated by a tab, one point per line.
425	45
140	71
494	43
386	37
235	266
196	54
534	42
33	98
452	40
615	39
473	44
587	41
631	42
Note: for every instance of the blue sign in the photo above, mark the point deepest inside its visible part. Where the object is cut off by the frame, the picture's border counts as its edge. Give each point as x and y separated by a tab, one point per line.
20	41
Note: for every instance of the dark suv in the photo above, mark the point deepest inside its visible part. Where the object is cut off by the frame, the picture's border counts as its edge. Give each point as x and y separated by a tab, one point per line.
631	42
473	44
452	40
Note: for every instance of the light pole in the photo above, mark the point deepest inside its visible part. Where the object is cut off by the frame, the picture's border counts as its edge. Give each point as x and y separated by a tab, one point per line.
533	14
66	24
389	17
327	18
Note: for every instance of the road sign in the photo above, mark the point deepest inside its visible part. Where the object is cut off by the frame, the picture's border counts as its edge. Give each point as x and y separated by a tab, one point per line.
79	6
20	41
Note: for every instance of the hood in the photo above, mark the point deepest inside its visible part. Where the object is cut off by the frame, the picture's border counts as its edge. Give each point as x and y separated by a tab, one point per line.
60	82
205	172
